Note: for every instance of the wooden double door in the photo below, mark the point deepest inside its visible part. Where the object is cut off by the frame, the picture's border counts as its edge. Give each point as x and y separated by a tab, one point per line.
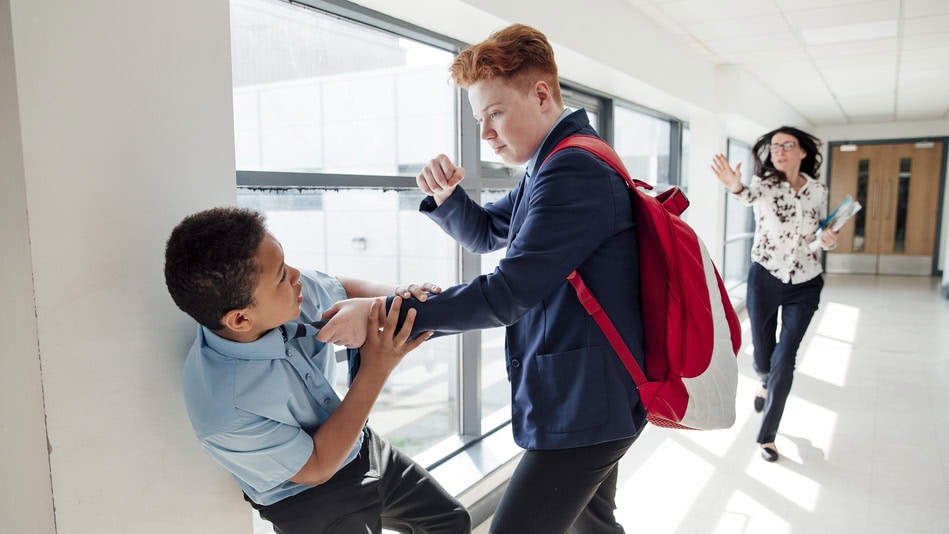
898	186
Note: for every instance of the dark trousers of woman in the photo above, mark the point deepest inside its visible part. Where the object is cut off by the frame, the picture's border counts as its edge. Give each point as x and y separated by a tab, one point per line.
382	487
563	491
775	358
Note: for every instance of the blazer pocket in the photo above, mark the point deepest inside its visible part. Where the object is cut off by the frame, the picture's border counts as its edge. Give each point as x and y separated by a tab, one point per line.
572	390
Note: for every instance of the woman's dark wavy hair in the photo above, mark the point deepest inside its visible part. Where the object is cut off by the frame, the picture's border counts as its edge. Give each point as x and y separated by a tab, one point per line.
810	165
211	263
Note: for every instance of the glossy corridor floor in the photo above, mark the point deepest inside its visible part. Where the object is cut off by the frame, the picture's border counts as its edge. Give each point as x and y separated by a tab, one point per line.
864	441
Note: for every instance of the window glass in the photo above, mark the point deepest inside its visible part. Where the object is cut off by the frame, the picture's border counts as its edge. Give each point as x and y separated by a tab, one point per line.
902	204
739	220
642	142
495	388
685	152
315	93
860	220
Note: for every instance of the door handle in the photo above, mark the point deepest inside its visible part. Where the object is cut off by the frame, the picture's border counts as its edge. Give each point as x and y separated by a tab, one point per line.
889	191
876	200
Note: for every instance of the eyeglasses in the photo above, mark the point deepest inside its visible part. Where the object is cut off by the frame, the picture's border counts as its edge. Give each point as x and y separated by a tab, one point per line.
787	147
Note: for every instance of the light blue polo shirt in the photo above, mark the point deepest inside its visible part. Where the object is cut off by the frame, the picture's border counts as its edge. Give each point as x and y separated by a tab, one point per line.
255	406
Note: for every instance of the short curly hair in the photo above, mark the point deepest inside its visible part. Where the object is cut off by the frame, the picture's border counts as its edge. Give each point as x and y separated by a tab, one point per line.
211	263
519	53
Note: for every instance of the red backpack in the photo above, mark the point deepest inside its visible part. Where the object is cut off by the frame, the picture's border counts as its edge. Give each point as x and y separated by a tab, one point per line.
692	334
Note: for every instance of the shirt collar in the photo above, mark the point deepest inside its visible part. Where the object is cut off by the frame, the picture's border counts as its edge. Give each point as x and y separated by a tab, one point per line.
268	347
531	163
807	180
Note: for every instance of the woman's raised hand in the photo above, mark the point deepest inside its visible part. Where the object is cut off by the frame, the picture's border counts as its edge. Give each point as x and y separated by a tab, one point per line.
730	178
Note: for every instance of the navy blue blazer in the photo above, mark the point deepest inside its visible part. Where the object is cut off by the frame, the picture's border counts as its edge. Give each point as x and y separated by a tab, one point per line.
568	387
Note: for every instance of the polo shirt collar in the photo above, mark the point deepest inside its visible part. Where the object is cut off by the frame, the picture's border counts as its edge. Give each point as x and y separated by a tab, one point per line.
268	347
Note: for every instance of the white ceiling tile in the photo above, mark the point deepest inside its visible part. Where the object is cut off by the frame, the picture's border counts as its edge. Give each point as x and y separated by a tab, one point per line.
663	20
882	103
866	80
817	105
772	41
918	114
929	40
767	57
920	105
934	24
843	15
878	46
872	118
924	59
797	5
687	11
932	80
924	8
786	72
843	62
738	27
766	38
850	33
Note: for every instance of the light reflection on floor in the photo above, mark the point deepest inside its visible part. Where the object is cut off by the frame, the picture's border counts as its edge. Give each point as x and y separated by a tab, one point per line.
864	440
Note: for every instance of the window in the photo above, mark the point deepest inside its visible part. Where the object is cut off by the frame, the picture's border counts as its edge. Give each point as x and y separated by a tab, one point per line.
684	158
347	114
643	143
739	221
315	93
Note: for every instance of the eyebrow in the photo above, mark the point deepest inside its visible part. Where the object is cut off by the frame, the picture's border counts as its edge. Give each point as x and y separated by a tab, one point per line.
489	106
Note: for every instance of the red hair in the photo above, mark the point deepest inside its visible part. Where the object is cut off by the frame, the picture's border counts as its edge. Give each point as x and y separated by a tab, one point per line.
519	53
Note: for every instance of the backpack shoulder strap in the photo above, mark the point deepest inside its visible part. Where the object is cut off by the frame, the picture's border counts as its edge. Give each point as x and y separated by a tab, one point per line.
673	200
605	152
600	149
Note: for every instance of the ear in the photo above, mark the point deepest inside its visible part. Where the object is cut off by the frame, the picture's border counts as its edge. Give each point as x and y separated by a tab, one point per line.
542	92
238	320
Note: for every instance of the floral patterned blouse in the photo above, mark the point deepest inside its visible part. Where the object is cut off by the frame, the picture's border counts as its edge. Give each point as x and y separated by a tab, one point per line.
785	223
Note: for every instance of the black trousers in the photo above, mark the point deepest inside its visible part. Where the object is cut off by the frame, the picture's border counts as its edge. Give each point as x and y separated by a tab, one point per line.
563	491
774	358
382	487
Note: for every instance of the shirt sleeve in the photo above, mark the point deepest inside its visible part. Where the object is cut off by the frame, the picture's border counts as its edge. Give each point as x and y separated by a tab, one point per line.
263	453
749	193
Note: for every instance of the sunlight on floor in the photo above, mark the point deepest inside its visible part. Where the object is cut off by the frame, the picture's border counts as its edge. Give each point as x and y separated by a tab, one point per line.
746	514
667	467
827	360
863	440
838	321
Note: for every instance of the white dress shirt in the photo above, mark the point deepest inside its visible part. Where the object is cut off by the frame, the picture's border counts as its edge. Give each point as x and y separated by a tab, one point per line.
786	221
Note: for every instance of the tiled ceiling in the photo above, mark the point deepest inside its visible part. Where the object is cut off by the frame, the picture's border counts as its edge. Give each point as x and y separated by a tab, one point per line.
834	61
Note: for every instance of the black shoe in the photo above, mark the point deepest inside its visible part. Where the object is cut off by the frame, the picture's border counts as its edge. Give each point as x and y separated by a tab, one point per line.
759	404
769	454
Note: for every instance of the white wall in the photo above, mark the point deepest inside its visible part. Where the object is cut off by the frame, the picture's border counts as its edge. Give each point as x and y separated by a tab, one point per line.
26	503
126	125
